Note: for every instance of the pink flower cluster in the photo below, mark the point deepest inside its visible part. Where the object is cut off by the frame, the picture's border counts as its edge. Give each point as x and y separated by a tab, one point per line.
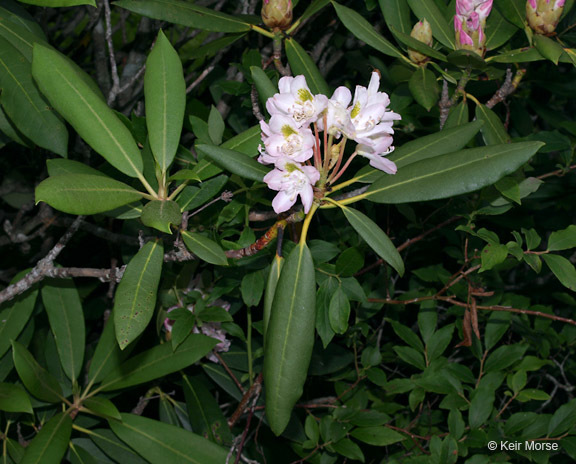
290	141
469	23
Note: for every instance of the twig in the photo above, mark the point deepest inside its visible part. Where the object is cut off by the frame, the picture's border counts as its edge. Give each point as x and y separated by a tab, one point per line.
255	105
113	67
254	389
508	87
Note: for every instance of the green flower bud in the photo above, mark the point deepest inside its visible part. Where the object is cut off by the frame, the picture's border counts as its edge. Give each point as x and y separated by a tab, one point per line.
423	33
277	14
543	15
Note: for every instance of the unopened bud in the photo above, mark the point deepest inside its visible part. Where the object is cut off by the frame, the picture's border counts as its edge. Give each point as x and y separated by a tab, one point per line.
469	24
423	33
543	15
277	14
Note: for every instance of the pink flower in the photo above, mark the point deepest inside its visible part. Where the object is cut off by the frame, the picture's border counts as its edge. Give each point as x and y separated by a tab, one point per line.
296	101
291	180
284	139
469	23
338	120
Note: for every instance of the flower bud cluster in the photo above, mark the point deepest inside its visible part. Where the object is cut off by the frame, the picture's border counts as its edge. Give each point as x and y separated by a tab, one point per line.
543	15
291	137
277	14
469	24
423	33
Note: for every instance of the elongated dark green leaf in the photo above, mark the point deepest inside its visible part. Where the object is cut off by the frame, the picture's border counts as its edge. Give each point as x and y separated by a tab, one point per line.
35	378
458	116
452	174
165	94
17	14
548	47
187	14
205	415
429	146
85	193
498	30
377	436
427	9
108	356
273	277
339	311
24	105
375	237
161	214
520	55
563	270
396	14
193	197
302	63
18	34
161	443
60	3
424	87
83	108
66	317
15	315
135	297
493	130
49	446
266	89
562	239
246	142
364	31
290	337
235	162
204	248
513	10
108	442
415	44
102	407
314	7
60	166
13	398
158	362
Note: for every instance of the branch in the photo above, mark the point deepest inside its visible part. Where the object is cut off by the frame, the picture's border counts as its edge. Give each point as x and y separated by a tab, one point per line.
508	87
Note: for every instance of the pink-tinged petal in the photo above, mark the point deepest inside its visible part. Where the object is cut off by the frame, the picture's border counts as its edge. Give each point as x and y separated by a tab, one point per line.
473	21
282	202
277	121
374	83
484	9
465	39
532	4
265	129
342	95
312	173
383	164
274	179
559	3
284	84
307	196
298	82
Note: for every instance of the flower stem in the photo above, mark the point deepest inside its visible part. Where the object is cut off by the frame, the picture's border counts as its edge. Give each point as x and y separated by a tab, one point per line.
337	176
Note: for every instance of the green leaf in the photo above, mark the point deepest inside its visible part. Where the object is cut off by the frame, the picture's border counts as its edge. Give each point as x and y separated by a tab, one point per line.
364	31
375	237
562	239
35	378
339	311
492	255
290	337
396	14
301	63
427	9
84	109
458	116
20	32
520	55
424	87
410	356
14	399
562	269
158	362
493	130
498	30
270	291
102	407
49	446
160	214
377	436
349	262
66	317
235	162
85	193
466	59
532	394
265	87
323	297
15	315
165	96
108	442
135	298
408	336
161	443
19	16
562	420
481	407
205	415
193	197
107	356
513	10
60	3
252	287
348	449
452	174
415	44
24	105
204	248
187	14
215	126
504	356
60	166
439	342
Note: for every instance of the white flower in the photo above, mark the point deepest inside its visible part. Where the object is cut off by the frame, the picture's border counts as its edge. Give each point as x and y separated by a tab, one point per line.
338	120
376	154
283	139
296	101
291	180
